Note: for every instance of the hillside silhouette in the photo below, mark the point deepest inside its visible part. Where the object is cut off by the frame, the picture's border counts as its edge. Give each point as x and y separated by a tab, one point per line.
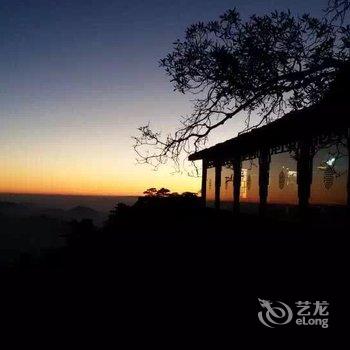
166	249
29	230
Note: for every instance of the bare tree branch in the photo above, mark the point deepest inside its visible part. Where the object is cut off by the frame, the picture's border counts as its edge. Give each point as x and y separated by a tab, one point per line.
268	65
338	9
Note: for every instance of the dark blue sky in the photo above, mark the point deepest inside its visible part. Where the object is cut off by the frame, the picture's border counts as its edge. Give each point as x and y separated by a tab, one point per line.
78	77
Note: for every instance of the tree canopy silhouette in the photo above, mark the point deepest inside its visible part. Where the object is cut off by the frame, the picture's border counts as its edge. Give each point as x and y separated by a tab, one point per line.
338	9
153	192
164	193
268	65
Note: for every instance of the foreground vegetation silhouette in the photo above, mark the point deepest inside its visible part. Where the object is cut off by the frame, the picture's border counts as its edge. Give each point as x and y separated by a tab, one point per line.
168	256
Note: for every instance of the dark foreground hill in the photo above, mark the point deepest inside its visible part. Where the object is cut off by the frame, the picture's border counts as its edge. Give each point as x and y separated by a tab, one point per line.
173	267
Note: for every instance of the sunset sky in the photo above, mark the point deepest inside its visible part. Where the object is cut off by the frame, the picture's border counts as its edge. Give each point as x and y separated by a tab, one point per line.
78	77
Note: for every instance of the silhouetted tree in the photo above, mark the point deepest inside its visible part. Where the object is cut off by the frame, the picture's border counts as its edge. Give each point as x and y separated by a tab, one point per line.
189	195
163	192
268	65
118	210
150	192
153	192
338	9
174	194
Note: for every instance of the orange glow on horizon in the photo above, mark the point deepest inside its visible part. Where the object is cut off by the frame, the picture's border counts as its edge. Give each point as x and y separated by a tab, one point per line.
98	189
68	164
92	181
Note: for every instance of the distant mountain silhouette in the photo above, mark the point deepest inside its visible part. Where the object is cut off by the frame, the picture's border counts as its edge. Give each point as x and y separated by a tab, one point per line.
14	209
30	229
21	210
52	213
80	212
66	202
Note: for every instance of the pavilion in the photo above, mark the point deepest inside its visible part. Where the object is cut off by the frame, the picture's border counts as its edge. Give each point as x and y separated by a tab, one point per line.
296	162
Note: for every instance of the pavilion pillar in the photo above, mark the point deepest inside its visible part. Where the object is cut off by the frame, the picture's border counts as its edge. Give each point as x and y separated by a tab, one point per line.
217	184
237	169
264	171
304	174
204	183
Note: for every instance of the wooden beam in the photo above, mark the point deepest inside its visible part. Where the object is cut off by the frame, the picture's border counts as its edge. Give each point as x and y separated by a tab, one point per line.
217	185
304	174
204	182
237	168
264	173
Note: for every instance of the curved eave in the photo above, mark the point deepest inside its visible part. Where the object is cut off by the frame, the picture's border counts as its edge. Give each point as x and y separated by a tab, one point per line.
290	128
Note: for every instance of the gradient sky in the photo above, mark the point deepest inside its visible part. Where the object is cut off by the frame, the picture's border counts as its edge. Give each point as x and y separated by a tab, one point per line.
78	77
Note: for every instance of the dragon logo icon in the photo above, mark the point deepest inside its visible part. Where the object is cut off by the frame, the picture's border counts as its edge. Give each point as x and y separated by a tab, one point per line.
274	315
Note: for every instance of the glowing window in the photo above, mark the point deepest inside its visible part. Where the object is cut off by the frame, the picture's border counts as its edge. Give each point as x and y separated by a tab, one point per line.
330	175
226	189
210	193
249	191
283	187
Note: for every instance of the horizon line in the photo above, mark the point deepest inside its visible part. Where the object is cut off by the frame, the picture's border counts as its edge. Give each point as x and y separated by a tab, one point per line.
68	194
